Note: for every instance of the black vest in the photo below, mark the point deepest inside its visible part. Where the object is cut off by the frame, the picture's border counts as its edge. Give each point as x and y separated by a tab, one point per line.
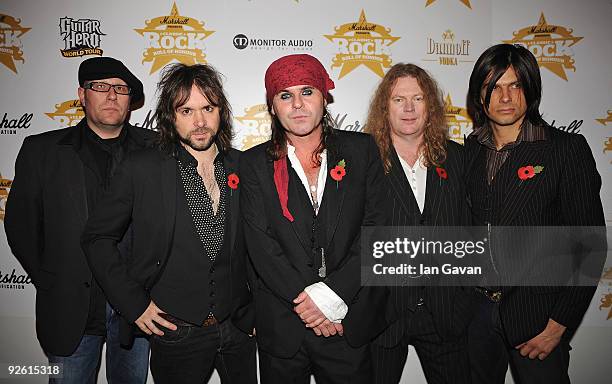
191	286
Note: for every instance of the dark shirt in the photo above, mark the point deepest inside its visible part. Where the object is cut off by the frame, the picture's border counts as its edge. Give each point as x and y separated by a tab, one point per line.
101	158
210	226
495	157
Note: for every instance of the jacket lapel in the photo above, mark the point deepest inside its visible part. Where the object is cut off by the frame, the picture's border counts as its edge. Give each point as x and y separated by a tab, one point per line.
74	170
433	192
401	187
232	198
333	196
168	192
519	191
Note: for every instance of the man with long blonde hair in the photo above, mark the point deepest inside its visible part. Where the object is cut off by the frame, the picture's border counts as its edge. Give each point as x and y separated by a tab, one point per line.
424	187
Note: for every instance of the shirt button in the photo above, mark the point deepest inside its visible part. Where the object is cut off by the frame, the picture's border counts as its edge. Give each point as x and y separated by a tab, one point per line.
212	269
158	263
212	283
212	306
212	294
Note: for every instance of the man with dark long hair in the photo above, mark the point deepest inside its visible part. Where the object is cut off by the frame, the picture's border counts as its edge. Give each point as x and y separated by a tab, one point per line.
424	186
186	282
306	194
522	172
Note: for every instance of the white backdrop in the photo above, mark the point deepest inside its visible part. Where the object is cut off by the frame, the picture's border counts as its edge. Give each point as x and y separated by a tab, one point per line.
43	42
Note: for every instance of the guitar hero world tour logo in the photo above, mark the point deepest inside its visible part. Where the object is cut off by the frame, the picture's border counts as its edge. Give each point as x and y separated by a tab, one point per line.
173	37
550	44
82	37
362	43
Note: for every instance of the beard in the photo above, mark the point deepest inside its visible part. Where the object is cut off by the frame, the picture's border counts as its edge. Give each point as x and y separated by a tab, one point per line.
199	145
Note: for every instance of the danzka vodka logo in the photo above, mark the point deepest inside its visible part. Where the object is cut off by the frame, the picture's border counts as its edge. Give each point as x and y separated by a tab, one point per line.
5	186
464	2
257	121
173	37
550	44
10	41
448	51
362	43
457	120
68	113
81	37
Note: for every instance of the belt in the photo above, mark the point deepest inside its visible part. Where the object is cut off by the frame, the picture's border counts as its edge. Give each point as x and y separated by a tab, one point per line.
207	323
494	296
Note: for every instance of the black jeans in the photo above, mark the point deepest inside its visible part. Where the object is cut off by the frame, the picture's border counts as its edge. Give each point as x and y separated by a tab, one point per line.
189	355
442	361
490	353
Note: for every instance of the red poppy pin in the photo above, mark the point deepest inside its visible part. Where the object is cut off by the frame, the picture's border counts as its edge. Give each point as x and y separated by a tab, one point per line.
529	171
442	173
338	172
233	180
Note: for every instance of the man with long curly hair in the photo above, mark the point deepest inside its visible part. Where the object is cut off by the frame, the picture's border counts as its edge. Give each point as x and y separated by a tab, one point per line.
423	171
186	282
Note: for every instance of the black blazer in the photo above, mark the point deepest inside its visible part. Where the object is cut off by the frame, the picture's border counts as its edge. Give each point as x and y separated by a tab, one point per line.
281	261
143	194
565	193
45	216
445	205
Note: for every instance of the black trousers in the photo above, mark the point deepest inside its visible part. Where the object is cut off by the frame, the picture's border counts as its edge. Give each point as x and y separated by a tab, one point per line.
190	354
331	360
443	361
490	353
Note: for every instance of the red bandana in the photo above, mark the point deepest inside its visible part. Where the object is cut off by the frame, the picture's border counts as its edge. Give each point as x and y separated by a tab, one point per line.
292	70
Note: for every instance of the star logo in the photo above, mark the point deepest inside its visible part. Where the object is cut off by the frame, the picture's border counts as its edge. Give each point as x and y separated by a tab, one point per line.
362	43
464	2
5	186
67	113
10	42
458	121
173	37
550	44
257	121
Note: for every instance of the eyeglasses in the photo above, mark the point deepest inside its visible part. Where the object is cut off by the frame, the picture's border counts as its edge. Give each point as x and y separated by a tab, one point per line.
99	86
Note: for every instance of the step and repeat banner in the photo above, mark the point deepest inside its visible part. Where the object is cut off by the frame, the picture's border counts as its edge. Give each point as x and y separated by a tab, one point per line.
42	44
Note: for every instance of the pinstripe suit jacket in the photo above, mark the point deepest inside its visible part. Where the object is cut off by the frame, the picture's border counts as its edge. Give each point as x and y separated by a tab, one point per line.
445	205
565	193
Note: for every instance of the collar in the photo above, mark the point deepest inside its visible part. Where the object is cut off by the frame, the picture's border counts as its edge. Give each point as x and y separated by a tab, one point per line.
182	155
528	133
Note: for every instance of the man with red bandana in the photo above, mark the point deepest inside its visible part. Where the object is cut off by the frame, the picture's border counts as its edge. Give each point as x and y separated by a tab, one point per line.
305	195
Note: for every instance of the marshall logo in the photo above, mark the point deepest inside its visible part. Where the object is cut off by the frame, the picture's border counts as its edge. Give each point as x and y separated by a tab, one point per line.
241	41
173	37
448	51
9	126
81	37
68	113
257	121
572	127
13	280
550	44
5	186
148	122
457	120
464	2
339	123
10	41
362	43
